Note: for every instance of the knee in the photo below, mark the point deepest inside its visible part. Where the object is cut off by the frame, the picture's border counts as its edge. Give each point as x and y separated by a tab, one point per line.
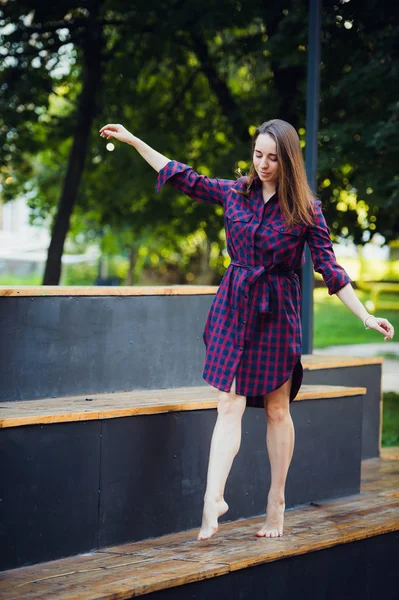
277	412
230	404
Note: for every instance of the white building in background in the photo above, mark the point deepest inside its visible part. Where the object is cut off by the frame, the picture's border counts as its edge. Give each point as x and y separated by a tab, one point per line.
23	247
373	250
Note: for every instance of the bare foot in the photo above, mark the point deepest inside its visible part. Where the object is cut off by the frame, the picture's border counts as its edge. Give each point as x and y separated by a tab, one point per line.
274	522
213	509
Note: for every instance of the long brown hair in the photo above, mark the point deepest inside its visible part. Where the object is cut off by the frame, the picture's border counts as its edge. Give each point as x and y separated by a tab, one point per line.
294	194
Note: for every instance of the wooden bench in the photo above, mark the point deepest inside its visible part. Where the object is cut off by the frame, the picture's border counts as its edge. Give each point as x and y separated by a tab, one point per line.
376	289
326	546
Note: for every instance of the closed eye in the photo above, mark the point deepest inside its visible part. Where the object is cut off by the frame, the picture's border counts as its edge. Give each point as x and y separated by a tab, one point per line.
259	155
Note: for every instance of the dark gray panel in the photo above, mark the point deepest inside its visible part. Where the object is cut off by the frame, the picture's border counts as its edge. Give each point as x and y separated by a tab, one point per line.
152	474
364	569
48	491
368	376
55	346
327	454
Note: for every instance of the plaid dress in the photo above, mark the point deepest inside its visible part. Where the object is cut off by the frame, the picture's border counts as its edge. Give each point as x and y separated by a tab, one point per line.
253	328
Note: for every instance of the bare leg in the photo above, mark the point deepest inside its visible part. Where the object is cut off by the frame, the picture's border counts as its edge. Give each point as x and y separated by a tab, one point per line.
226	440
280	441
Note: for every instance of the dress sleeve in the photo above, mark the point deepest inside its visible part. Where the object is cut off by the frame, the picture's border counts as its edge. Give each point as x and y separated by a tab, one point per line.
197	187
322	252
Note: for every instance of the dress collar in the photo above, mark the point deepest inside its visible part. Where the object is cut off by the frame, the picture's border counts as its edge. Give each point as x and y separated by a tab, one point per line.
258	187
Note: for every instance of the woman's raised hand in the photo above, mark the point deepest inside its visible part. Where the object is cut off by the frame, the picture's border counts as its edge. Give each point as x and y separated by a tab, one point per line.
118	132
154	158
381	325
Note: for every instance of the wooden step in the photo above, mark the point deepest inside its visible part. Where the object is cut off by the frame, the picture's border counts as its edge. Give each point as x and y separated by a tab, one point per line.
77	471
172	561
74	323
312	362
31	291
138	402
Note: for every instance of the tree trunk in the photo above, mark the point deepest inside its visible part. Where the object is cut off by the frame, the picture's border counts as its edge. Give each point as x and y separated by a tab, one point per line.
131	275
287	80
205	274
85	115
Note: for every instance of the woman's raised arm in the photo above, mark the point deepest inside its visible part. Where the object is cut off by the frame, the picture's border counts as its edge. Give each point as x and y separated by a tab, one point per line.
182	176
154	158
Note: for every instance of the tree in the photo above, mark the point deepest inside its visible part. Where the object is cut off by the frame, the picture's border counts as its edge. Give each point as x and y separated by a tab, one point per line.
194	91
38	33
359	118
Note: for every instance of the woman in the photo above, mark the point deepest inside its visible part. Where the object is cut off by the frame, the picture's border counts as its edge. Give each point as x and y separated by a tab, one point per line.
253	330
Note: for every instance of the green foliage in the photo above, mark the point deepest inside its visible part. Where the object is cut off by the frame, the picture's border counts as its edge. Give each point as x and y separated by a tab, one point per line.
359	118
79	274
390	419
192	84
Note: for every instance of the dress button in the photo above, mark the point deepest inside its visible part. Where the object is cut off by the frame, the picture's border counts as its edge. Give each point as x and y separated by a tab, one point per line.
241	347
282	229
244	321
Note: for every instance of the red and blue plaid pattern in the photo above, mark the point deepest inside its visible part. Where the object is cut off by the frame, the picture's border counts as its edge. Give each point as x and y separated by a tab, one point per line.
253	328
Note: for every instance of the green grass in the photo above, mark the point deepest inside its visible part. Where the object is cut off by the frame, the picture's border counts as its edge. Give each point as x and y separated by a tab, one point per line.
390	420
17	280
335	324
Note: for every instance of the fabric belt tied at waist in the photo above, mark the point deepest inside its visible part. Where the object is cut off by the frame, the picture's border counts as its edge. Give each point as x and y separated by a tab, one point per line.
245	319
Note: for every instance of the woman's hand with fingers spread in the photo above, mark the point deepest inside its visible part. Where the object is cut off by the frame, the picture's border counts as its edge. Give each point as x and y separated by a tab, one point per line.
381	325
118	132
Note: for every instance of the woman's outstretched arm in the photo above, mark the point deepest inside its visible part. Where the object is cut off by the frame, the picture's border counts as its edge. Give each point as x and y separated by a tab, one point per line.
348	297
182	176
154	158
335	276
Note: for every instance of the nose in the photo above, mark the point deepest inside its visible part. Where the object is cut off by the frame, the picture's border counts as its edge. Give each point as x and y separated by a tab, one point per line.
264	164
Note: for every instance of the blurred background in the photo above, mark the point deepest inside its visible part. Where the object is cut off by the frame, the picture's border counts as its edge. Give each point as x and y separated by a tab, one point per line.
193	79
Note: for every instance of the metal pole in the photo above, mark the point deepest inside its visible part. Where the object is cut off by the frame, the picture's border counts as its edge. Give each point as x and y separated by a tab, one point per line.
312	127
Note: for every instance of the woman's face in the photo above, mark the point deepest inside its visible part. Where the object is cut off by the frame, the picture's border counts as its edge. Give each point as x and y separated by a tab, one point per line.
265	158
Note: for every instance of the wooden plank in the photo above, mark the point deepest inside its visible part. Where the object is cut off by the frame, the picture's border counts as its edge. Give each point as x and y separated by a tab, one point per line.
313	362
379	476
117	576
60	567
72	290
135	569
391	453
304	525
137	402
